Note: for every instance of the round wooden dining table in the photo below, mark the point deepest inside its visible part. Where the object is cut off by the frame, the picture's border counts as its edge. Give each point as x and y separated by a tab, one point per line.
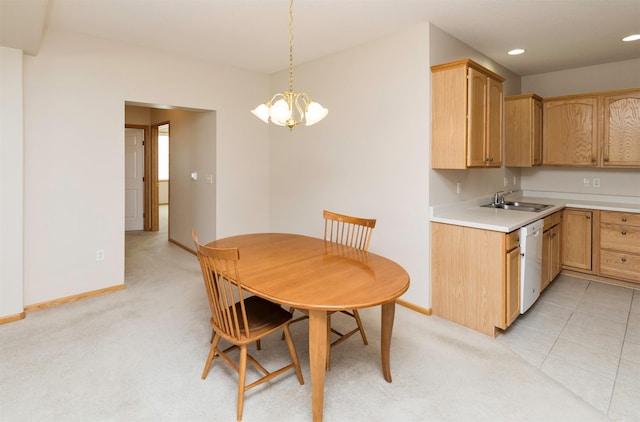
319	276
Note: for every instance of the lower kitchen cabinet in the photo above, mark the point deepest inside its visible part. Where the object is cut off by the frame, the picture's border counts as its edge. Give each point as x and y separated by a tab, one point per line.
577	235
551	257
512	275
475	276
620	245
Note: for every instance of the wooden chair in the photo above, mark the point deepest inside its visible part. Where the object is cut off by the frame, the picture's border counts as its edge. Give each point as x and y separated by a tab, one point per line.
240	320
348	231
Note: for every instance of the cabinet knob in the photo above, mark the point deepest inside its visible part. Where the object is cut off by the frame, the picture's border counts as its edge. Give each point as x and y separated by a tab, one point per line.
553	235
588	217
606	159
624	219
624	259
624	233
593	161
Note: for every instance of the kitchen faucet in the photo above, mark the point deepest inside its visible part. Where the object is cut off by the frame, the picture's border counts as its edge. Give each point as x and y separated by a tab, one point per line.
498	197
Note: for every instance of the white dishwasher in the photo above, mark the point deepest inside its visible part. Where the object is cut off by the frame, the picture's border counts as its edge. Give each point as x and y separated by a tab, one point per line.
530	264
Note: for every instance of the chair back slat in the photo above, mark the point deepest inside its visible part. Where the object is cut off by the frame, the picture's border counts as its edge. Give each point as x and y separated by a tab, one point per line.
224	289
349	231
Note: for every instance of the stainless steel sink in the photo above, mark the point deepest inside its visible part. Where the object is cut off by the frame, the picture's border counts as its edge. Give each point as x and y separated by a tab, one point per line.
519	206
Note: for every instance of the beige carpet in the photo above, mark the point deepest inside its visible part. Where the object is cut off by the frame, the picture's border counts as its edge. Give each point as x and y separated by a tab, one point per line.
137	355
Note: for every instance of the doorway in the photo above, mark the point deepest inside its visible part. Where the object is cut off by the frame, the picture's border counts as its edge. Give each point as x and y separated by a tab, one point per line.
163	177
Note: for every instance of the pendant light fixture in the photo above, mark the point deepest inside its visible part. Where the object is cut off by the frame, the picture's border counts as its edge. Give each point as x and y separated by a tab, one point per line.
290	108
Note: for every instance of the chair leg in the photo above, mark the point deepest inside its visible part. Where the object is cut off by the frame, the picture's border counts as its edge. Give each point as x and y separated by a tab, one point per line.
292	351
241	379
356	315
291	311
212	352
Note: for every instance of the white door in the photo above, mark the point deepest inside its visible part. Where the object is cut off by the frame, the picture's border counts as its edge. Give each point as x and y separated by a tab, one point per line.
133	179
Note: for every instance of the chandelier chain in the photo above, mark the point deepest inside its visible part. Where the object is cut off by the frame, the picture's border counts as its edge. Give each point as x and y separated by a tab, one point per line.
290	45
290	108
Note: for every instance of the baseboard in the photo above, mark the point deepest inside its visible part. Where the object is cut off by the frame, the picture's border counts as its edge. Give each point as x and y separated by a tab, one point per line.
180	245
414	307
11	318
69	299
601	279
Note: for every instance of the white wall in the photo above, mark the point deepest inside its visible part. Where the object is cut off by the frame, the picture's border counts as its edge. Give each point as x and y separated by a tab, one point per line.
605	77
369	157
11	182
74	95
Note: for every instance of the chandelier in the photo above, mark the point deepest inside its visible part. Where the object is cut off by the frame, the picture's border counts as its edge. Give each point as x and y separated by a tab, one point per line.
290	108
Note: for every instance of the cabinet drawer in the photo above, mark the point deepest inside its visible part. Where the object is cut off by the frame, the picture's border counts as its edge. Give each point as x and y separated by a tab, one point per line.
552	220
513	240
625	218
620	265
620	238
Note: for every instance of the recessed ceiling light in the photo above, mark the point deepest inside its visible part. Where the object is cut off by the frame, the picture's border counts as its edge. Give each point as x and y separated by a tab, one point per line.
515	52
634	37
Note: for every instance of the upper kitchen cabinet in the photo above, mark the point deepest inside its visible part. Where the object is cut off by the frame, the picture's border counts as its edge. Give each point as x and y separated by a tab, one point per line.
523	130
466	116
570	131
593	130
621	130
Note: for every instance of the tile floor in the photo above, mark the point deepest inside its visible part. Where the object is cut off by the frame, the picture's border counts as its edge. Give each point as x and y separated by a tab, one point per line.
586	336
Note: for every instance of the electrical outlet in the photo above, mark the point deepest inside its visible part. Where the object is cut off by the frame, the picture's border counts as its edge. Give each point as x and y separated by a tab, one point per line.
100	255
585	182
596	182
514	180
506	181
458	187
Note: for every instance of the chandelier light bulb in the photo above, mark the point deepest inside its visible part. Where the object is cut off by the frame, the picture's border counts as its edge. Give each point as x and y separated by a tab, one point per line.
279	112
261	112
315	113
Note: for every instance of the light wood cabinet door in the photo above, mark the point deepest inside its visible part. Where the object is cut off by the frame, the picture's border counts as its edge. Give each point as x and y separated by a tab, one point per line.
555	252
545	277
477	120
495	101
551	263
523	130
513	285
484	137
577	239
621	130
570	132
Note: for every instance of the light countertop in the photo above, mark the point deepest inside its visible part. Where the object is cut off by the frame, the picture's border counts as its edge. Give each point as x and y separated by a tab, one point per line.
471	214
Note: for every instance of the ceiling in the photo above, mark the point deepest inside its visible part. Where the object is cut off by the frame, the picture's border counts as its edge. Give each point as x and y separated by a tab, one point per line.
253	34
